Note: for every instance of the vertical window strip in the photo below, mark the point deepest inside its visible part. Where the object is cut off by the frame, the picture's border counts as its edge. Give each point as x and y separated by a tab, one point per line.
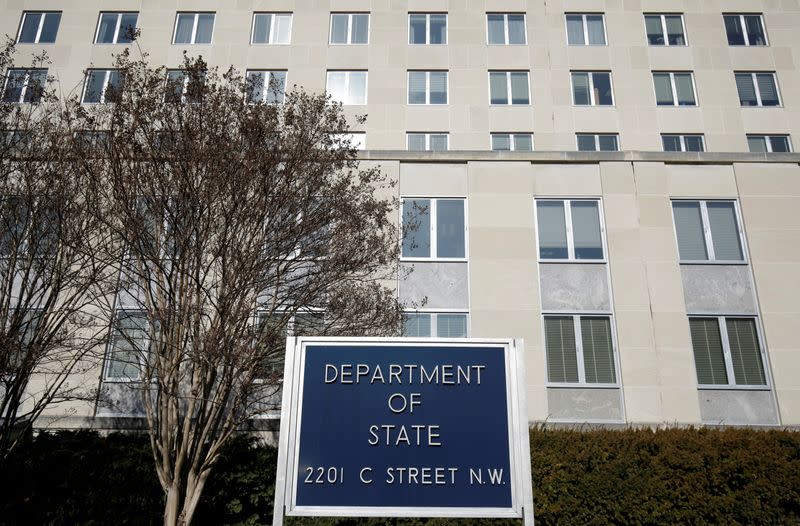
562	362
745	351
708	353
598	350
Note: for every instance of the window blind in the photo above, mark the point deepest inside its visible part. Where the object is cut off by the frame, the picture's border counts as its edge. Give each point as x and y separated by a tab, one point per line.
562	361
552	230
501	141
655	33
523	142
438	142
416	87
451	325
597	35
516	29
498	88
586	230
663	89
675	31
575	30
685	89
689	230
757	144
438	87
417	325
450	228
709	360
745	351
496	29
598	352
580	88
360	29
746	89
767	89
724	231
520	94
416	142
438	29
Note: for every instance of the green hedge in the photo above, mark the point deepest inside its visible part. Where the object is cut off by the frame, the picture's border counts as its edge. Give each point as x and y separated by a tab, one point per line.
673	476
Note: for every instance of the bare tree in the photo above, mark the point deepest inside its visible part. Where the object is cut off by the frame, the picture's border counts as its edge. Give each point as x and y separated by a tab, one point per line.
240	218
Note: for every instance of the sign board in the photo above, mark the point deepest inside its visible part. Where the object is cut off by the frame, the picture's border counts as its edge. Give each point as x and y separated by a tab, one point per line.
394	427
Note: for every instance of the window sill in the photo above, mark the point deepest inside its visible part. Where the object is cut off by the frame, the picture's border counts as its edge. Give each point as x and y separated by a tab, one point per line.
433	260
507	45
412	44
581	386
734	388
593	105
343	44
579	261
737	263
270	43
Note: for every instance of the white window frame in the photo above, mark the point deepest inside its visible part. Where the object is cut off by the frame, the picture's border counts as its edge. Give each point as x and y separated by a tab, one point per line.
726	353
268	73
116	29
427	15
24	86
757	89
349	16
427	136
568	224
768	140
576	324
673	86
433	234
664	32
110	349
592	100
348	74
596	137
508	86
586	28
196	15
434	316
427	86
106	79
511	138
744	29
505	28
712	260
271	28
682	138
39	29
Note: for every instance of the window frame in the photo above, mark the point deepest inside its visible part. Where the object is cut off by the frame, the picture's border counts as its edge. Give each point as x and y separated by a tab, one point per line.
509	95
119	15
569	231
428	87
596	137
512	141
427	136
585	26
768	141
434	313
674	89
682	138
106	80
271	28
707	234
664	32
348	74
427	15
757	89
36	40
25	86
349	15
432	213
576	319
506	39
196	22
592	101
745	33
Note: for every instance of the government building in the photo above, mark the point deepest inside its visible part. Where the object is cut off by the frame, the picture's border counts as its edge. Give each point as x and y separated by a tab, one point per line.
612	181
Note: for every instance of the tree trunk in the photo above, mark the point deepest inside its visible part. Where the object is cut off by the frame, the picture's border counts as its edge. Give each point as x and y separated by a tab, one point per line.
182	502
174	503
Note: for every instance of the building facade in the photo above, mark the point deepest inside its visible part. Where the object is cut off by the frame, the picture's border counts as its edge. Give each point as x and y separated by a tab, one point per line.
611	181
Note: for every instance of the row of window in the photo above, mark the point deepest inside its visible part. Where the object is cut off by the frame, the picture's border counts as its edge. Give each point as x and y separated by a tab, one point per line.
661	29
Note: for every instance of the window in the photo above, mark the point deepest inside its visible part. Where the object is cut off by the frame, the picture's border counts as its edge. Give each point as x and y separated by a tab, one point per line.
427	28
506	29
769	143
93	140
14	141
349	28
435	324
347	87
580	350
302	323
707	231
193	28
24	85
745	30
434	228
39	27
727	351
128	347
569	229
757	89
597	142
592	88
102	85
427	87
115	28
266	86
585	29
427	142
674	89
520	142
357	140
509	87
665	30
181	87
271	28
683	143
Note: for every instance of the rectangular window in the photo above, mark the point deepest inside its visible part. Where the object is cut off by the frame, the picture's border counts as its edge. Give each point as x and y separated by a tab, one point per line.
745	30
506	29
757	89
181	87
597	142
349	28
585	29
39	27
427	142
592	88
101	86
427	87
266	86
128	347
434	228
427	28
708	231
347	87
357	140
509	87
193	28
580	350
769	143
569	229
727	351
665	30
519	142
24	85
115	28
435	324
14	142
674	88
683	143
271	28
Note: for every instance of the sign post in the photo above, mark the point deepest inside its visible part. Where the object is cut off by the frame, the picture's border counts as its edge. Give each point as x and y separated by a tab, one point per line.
402	427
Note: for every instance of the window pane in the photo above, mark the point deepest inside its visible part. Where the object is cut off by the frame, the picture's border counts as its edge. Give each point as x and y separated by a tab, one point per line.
276	87
672	143
501	141
733	28
50	28
779	144
438	87
416	142
675	31
37	78
261	28
598	351
516	29
575	30
663	89
13	219
580	88
602	89
94	86
586	143
586	230
283	26
451	325
183	33
416	87
709	360
336	85
689	230
747	91
438	24
360	29
523	143
417	325
755	31
552	230
767	89
745	351
562	358
339	29
685	89
519	88
107	29
417	228
357	90
694	143
724	231
30	27
607	143
205	27
498	89
596	32
128	346
757	144
175	82
416	30
655	33
438	142
126	27
450	228
496	29
255	86
114	86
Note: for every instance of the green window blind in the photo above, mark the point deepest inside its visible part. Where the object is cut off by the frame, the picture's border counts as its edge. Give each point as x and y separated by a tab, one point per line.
708	355
562	361
598	353
745	351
